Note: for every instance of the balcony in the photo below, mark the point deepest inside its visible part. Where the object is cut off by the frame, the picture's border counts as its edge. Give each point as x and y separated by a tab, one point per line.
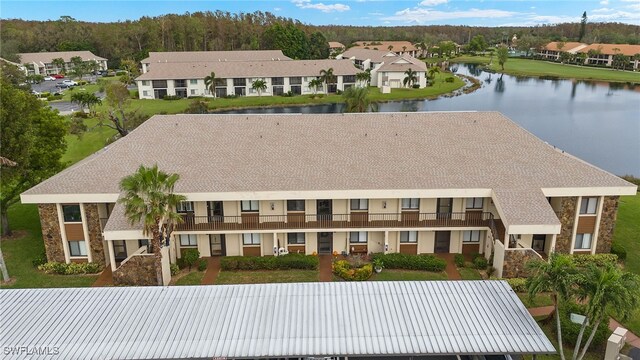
253	221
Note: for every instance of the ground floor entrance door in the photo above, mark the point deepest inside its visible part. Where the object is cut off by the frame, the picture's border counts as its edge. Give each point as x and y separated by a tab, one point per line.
217	243
443	242
325	243
538	243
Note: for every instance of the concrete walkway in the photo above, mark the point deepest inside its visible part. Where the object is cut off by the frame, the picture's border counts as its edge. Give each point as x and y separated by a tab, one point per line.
632	339
451	269
105	278
541	311
326	273
213	269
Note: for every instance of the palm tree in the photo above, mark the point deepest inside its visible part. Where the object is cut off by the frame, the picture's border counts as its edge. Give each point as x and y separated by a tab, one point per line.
210	83
390	47
315	84
327	78
356	99
432	73
148	197
59	64
555	276
259	85
410	78
364	77
605	289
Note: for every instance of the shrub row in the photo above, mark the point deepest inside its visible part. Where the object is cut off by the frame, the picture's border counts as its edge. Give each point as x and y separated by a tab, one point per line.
595	259
619	250
458	259
343	269
284	262
518	285
411	262
70	269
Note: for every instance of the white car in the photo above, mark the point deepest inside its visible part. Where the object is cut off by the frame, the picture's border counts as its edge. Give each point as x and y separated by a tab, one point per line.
69	82
49	78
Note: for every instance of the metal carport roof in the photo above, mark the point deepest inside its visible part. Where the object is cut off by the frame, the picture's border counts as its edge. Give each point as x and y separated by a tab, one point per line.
271	320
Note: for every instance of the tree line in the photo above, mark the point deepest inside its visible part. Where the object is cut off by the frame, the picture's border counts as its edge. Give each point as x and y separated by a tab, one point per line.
217	30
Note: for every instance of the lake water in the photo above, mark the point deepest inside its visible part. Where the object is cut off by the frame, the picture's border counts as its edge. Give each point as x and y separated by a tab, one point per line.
596	121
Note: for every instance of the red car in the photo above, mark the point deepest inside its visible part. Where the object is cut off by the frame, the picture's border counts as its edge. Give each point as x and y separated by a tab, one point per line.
58	76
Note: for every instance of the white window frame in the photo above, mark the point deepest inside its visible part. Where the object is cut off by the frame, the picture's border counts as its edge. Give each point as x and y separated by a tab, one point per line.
251	239
250	205
184	206
82	248
471	236
582	238
410	203
191	240
590	205
408	237
361	237
472	203
360	204
297	238
193	81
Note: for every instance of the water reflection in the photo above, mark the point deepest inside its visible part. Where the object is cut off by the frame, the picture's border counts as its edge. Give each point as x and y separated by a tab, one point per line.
596	121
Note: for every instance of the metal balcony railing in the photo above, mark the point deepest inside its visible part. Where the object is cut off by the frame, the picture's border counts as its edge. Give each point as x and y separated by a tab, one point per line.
253	221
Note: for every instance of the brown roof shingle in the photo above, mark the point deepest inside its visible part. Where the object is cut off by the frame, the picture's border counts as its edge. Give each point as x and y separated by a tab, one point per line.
611	49
209	56
384	45
47	57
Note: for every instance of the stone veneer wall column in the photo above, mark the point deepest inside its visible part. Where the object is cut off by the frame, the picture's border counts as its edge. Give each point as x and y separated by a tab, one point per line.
138	270
515	262
607	224
51	232
567	219
95	241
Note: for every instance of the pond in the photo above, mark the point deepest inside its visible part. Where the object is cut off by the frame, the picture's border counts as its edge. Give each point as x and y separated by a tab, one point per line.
596	121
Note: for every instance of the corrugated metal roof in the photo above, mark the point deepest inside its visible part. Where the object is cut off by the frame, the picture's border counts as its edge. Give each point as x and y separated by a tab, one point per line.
271	320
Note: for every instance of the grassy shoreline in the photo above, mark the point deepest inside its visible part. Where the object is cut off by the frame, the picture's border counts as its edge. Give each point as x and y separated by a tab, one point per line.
540	68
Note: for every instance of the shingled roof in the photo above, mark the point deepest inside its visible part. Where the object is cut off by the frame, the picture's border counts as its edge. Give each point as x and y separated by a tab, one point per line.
209	56
47	57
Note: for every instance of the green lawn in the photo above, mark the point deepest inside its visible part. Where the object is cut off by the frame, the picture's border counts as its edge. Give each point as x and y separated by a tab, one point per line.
528	67
192	278
19	253
538	300
266	276
94	139
408	275
469	274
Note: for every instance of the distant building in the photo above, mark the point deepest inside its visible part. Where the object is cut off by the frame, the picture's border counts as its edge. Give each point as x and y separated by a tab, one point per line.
553	49
398	47
387	68
42	63
335	48
181	57
597	54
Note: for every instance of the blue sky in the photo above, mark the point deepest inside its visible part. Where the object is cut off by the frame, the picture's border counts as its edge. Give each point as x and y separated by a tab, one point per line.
345	12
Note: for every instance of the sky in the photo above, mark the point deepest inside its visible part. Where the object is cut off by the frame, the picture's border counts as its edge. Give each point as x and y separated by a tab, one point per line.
345	12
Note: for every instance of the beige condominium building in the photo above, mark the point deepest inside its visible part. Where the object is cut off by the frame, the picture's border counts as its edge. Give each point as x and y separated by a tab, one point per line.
264	185
237	77
42	63
182	57
596	54
387	68
398	47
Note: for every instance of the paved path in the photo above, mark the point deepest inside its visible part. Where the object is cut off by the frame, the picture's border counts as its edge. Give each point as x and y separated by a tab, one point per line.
326	274
632	339
451	270
541	311
105	278
213	269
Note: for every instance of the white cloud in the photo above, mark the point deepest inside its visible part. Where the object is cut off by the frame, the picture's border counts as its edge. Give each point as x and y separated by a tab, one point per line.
418	15
277	9
327	8
376	13
604	2
433	2
617	16
601	10
552	19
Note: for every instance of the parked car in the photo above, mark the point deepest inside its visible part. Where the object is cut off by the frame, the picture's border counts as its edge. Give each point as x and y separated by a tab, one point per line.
58	76
49	78
69	82
62	85
36	93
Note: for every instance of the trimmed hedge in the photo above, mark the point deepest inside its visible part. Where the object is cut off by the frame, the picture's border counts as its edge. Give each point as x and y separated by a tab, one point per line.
345	270
595	259
174	269
480	263
518	285
70	269
284	262
458	259
412	262
202	264
619	250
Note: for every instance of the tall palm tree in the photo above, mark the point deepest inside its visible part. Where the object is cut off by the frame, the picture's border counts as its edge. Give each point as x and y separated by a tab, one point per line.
356	99
556	276
605	289
59	64
363	77
314	84
148	198
259	85
410	78
210	83
390	47
327	78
